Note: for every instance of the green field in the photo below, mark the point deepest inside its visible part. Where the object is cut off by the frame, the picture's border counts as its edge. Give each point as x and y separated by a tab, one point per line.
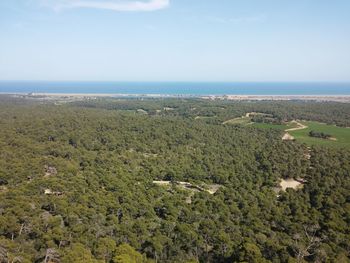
274	126
248	121
341	134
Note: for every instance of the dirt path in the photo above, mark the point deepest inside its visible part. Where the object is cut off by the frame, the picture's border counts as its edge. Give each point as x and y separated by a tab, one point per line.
300	126
287	136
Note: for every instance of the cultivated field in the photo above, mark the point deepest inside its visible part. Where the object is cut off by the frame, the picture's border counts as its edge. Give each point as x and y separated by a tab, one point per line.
300	131
341	135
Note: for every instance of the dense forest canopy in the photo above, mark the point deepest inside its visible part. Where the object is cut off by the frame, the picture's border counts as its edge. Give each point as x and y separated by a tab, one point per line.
77	183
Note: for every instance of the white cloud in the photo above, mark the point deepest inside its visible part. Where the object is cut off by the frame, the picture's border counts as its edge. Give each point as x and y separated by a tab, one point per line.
115	5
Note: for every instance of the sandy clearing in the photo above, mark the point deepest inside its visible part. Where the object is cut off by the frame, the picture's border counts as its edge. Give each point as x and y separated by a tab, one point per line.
168	109
3	189
290	183
249	114
307	156
142	111
287	137
162	182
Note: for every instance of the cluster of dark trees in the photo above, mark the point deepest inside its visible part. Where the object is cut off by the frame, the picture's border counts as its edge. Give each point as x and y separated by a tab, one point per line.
76	185
321	135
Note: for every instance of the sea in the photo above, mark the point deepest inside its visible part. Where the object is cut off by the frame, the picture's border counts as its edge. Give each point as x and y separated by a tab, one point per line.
178	88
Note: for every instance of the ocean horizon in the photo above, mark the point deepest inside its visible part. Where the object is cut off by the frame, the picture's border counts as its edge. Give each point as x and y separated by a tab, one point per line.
178	88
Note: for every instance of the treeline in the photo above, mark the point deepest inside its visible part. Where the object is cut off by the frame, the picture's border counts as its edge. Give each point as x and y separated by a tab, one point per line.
321	135
76	186
326	112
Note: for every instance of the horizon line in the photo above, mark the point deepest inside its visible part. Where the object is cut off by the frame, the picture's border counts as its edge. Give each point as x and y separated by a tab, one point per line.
188	81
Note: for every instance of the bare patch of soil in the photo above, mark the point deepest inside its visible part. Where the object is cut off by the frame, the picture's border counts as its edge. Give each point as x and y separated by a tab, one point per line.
287	137
290	183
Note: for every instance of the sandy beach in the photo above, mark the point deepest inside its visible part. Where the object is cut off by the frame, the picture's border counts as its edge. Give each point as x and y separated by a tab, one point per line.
77	96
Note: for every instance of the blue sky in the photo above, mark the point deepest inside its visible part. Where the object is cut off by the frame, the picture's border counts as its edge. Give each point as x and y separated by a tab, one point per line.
175	40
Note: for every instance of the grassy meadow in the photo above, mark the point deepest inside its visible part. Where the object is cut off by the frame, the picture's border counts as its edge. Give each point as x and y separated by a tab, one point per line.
274	126
342	135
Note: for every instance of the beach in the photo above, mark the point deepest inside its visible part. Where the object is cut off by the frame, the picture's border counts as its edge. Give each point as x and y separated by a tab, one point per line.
82	96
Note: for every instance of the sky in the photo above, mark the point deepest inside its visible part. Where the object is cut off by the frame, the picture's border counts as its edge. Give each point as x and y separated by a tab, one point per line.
175	40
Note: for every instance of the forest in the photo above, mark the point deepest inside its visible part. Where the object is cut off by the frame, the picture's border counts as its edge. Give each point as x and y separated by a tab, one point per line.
77	183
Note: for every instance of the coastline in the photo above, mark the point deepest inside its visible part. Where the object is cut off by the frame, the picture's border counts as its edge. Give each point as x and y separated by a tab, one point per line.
77	96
